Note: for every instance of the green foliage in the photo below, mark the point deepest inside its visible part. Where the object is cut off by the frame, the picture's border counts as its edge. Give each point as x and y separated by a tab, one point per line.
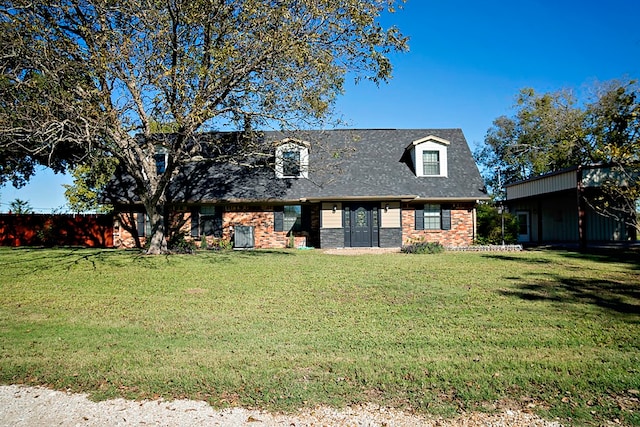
109	80
20	207
221	245
422	247
442	334
204	244
179	244
89	181
553	131
490	226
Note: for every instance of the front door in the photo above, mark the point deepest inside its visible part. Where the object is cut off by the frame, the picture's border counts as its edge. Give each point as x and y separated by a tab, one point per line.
363	226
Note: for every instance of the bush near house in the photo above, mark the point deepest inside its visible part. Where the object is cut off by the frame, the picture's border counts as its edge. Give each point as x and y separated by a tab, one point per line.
490	226
422	247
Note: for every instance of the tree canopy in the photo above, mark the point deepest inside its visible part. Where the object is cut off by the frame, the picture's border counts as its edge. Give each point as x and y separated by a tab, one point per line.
552	131
86	79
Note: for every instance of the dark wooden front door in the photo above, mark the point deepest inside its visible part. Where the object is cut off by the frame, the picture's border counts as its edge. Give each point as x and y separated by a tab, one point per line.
362	225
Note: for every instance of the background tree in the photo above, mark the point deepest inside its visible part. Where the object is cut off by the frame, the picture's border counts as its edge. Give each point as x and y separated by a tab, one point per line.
490	226
89	182
87	79
554	131
20	207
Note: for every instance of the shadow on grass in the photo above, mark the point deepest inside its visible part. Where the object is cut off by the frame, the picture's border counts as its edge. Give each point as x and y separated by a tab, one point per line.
625	256
621	298
527	260
36	259
630	257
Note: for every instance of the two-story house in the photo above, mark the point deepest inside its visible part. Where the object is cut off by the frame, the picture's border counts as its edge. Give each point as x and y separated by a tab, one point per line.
329	189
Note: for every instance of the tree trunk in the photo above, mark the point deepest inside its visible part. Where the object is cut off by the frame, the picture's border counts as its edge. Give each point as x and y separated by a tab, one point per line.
157	243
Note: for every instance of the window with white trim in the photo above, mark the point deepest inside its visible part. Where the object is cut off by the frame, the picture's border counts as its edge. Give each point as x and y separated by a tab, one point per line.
292	159
208	224
429	156
291	163
206	221
431	163
432	217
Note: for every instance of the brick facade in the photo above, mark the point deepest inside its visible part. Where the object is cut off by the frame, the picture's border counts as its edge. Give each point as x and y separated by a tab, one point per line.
461	232
261	218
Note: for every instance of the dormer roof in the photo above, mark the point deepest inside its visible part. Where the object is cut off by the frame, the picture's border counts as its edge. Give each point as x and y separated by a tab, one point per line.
430	138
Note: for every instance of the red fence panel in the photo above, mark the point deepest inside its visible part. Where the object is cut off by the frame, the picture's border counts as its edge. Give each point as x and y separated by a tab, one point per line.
95	231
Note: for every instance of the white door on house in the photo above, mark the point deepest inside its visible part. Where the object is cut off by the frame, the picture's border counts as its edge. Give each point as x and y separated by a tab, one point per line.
524	228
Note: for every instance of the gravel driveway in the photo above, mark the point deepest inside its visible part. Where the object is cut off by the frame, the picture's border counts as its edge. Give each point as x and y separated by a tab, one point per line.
38	407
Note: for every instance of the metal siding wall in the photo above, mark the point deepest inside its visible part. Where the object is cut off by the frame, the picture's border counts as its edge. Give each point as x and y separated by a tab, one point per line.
550	184
601	228
560	222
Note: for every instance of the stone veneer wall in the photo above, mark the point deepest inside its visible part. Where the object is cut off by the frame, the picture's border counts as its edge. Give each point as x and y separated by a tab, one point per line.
331	237
461	233
390	237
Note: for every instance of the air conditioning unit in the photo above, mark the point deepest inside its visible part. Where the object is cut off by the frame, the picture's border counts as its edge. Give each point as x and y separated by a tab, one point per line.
243	237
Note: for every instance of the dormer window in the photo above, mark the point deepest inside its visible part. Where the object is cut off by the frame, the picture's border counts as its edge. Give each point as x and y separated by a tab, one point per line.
431	163
161	162
429	156
292	159
161	158
291	163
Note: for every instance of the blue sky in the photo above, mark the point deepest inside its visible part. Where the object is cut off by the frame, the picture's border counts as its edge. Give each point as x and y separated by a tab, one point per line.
467	61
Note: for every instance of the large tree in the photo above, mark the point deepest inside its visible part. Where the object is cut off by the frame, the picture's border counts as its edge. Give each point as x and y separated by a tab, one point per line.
553	131
92	78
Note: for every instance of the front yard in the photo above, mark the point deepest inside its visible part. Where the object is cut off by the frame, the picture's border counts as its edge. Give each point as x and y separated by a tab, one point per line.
551	332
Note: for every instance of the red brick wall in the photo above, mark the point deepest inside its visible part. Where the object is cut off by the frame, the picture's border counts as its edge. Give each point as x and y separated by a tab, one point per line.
461	233
260	217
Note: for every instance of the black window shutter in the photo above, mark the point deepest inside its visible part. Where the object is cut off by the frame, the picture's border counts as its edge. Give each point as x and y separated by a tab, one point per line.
217	224
445	218
140	225
306	218
195	222
419	218
278	218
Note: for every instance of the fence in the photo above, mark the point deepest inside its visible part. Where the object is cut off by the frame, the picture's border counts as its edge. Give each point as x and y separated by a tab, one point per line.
95	231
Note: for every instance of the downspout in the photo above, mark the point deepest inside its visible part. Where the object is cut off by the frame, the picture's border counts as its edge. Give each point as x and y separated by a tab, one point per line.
474	218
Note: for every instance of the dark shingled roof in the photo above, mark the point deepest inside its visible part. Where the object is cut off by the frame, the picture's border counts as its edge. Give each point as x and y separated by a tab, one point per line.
343	164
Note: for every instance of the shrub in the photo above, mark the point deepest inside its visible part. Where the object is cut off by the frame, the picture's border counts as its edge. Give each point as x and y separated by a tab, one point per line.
180	245
422	247
220	245
490	226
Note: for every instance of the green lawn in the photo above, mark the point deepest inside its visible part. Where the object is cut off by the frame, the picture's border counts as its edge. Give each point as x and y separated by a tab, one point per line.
552	332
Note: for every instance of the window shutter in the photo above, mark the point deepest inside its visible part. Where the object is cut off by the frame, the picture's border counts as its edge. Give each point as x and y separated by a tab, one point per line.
445	218
419	218
140	225
306	218
278	218
217	227
195	222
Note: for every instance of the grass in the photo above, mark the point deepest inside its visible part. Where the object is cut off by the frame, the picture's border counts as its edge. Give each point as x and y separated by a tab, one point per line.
551	332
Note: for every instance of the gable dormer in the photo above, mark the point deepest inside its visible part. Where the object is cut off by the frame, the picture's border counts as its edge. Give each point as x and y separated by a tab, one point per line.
292	158
429	156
